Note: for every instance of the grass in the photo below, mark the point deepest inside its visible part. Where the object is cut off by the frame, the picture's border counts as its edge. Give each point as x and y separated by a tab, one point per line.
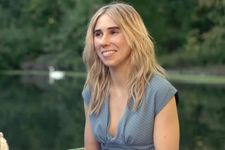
77	149
173	76
197	78
39	73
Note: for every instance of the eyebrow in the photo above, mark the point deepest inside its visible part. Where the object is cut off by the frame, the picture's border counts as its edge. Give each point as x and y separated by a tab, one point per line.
109	28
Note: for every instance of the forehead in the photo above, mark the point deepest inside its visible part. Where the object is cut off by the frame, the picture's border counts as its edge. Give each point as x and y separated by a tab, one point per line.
104	22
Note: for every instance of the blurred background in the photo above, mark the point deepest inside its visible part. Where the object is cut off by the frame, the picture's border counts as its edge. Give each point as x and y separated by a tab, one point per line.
42	109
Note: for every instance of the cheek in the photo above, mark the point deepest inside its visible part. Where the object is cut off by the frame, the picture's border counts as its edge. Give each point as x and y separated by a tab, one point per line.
122	41
96	46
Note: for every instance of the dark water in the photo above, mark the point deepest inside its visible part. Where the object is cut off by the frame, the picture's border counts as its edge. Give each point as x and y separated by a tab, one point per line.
36	115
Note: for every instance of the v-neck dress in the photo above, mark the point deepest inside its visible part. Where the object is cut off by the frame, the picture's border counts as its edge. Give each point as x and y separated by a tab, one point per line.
135	129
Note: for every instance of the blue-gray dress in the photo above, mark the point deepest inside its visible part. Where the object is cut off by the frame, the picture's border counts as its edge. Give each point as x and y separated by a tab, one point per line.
135	129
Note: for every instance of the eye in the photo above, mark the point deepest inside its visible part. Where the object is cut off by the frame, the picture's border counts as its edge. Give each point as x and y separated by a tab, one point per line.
97	33
114	31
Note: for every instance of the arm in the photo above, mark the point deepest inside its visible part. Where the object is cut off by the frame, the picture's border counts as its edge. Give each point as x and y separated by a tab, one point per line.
90	143
166	128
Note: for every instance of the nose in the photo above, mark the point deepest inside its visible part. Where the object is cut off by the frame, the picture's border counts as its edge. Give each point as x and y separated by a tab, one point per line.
104	41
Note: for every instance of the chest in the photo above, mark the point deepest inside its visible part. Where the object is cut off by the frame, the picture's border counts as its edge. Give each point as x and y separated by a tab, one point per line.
117	105
126	126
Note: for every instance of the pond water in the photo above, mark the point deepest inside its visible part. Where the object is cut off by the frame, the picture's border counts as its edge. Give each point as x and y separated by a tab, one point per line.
37	115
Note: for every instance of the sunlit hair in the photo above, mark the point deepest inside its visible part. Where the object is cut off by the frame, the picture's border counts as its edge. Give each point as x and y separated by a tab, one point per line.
143	62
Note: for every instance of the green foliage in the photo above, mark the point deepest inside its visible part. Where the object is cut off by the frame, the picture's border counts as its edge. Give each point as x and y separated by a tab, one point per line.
38	33
12	47
167	22
43	30
205	41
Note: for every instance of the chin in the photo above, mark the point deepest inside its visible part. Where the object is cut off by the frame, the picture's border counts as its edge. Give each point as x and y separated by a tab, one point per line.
109	64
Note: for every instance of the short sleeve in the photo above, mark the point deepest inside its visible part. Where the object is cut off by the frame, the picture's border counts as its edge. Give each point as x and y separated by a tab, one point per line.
164	93
86	94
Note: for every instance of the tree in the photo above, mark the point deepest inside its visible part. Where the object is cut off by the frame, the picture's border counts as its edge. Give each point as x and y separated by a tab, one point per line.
39	32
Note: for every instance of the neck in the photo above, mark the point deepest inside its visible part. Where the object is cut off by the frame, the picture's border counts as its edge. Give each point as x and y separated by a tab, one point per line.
119	77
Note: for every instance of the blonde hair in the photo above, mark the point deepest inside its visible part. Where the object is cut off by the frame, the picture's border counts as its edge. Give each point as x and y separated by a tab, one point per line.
143	61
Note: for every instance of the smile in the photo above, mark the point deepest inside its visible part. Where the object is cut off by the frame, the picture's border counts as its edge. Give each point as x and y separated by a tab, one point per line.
108	52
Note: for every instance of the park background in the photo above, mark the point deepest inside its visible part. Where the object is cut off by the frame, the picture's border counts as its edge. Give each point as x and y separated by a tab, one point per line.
36	114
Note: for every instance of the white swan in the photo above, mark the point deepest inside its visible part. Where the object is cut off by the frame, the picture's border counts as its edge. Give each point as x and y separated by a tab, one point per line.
55	75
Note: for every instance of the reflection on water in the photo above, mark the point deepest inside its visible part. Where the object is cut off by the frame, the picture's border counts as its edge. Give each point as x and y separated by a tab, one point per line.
36	115
202	117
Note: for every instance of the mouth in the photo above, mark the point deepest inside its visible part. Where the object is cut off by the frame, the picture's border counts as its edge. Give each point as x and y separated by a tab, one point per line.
108	52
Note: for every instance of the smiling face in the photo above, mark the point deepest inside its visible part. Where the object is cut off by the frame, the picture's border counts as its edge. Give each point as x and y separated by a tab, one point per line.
110	43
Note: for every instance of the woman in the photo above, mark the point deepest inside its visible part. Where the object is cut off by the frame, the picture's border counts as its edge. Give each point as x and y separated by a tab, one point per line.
128	102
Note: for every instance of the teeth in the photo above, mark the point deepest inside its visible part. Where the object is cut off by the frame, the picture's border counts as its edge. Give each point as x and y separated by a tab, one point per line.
108	53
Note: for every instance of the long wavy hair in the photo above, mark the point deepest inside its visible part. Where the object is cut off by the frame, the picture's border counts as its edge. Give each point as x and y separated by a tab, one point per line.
143	62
